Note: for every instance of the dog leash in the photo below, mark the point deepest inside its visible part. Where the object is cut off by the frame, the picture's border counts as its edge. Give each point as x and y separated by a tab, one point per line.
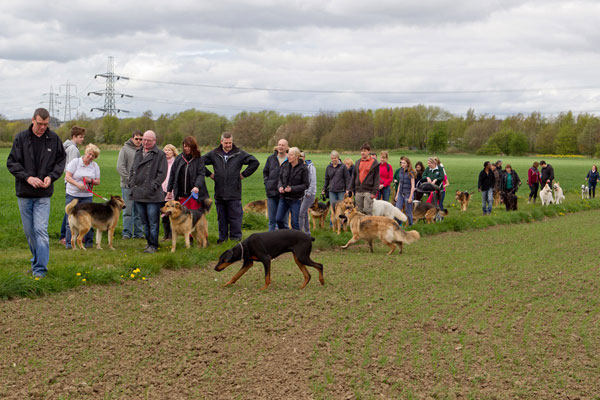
191	195
89	187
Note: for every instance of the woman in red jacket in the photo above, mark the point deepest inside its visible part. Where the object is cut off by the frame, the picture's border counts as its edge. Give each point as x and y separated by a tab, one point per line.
386	176
534	179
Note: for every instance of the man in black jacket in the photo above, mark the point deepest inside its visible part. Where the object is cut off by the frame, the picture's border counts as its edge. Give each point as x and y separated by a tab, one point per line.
270	177
485	185
37	159
547	174
227	161
148	172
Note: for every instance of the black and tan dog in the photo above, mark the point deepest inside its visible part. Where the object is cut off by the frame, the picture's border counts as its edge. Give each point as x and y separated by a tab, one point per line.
257	206
102	216
337	214
510	200
427	211
463	199
266	246
318	211
187	222
370	227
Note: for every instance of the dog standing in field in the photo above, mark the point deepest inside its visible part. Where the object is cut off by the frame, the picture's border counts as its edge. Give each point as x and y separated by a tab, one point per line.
370	227
266	246
187	222
337	222
510	200
585	192
463	199
546	195
102	216
383	208
497	198
257	206
318	211
427	212
558	194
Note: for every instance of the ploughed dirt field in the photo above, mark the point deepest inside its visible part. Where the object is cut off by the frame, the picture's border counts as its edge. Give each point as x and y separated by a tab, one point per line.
502	313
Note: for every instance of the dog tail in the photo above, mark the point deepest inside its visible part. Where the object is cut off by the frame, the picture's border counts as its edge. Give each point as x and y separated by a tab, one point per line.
312	239
443	212
400	215
407	237
69	208
206	204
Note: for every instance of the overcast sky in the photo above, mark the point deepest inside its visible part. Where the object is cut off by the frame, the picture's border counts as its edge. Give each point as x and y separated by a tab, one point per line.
497	57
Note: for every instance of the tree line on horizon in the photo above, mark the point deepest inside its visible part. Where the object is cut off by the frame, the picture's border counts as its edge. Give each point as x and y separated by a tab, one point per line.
419	127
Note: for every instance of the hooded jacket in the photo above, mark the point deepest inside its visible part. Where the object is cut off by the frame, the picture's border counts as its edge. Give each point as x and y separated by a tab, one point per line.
228	184
21	163
71	150
125	161
147	175
337	179
371	182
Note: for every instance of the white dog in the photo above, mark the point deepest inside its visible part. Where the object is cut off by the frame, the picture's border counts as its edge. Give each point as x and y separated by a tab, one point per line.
546	195
558	194
585	192
386	209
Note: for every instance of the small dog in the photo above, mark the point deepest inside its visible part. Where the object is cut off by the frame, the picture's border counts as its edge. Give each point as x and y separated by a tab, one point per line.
337	223
386	209
370	227
427	211
585	192
102	216
463	199
546	195
266	246
558	194
187	222
510	201
257	206
318	211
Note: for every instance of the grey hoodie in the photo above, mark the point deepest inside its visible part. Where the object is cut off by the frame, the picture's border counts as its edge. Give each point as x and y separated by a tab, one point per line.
125	161
71	150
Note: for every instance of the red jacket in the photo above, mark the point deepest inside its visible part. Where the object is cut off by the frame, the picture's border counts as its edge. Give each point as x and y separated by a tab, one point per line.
533	176
386	174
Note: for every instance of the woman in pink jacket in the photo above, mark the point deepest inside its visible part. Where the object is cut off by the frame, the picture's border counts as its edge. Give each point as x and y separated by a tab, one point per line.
386	176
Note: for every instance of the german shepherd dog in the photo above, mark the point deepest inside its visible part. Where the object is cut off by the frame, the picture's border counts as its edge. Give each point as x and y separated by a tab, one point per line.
318	211
427	212
337	222
102	216
463	199
497	198
510	200
187	222
370	227
266	246
257	206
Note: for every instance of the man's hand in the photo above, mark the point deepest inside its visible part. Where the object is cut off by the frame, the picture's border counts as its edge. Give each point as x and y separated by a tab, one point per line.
288	189
195	190
373	196
169	196
241	176
281	190
35	182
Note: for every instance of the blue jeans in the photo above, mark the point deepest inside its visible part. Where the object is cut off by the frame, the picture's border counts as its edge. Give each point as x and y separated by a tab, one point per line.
35	213
487	196
132	224
229	216
88	240
403	201
63	226
384	193
150	215
272	205
442	196
291	205
303	220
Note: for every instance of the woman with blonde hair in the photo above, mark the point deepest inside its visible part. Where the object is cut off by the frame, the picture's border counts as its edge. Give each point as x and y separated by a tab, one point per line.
171	152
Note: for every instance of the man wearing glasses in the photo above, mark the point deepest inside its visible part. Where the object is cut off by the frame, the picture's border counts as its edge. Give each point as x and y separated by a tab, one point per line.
37	159
146	176
132	225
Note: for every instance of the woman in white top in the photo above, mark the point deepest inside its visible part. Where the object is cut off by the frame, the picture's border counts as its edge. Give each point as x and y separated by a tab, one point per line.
76	171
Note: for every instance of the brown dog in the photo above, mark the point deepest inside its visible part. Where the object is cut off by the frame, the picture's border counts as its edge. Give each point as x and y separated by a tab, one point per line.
257	206
187	222
463	199
318	211
427	211
497	198
337	222
102	216
373	227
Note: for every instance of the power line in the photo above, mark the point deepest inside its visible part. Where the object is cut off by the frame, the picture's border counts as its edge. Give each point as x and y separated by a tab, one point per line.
68	97
52	100
109	93
336	91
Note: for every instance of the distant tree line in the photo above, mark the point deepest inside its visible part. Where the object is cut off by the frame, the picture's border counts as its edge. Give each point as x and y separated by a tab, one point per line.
420	127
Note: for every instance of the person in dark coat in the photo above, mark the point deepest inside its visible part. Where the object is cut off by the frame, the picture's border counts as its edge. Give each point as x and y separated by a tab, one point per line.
147	174
36	159
271	179
510	180
187	176
227	161
592	178
337	180
547	174
485	185
293	182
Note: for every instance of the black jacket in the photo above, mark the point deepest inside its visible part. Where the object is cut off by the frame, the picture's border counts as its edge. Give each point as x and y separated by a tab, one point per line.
516	181
371	182
228	184
337	179
271	175
21	163
147	175
486	181
295	177
195	174
547	174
